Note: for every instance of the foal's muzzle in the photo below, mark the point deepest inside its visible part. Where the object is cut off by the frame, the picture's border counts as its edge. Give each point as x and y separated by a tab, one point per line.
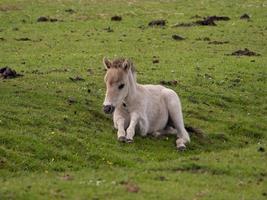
108	109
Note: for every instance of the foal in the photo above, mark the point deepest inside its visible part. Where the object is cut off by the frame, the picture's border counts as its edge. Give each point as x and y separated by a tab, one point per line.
146	109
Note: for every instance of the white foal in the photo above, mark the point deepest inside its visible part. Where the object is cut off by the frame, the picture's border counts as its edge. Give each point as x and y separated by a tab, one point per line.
147	109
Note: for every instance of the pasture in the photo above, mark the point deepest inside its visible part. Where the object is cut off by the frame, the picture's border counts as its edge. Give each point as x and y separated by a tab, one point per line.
55	140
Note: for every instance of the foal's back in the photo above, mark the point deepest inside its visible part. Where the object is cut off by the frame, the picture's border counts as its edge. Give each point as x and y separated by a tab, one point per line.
155	106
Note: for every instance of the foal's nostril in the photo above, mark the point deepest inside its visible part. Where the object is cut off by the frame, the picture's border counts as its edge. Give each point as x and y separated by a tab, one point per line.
109	109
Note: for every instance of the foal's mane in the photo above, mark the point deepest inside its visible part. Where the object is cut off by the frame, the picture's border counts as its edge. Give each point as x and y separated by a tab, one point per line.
118	63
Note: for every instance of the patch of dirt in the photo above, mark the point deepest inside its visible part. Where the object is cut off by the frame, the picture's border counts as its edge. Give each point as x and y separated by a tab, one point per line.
206	21
210	20
130	187
218	18
195	169
245	52
170	83
5	8
77	78
196	131
70	10
23	39
46	19
8	73
158	22
177	37
218	42
245	16
116	18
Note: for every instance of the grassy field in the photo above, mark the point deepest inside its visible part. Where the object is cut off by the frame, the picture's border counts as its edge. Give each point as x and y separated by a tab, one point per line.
55	141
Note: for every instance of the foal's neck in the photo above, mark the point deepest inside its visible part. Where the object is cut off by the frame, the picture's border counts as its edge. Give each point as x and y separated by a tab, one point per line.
132	89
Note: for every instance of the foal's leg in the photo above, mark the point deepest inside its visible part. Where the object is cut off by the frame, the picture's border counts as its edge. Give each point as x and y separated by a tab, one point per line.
121	122
121	131
131	129
175	112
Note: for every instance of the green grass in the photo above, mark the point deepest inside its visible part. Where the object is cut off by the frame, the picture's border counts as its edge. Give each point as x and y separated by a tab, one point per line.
50	149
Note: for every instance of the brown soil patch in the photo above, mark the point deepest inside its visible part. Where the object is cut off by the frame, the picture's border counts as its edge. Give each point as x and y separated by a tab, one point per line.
218	42
23	39
116	18
206	21
8	73
245	52
159	22
46	19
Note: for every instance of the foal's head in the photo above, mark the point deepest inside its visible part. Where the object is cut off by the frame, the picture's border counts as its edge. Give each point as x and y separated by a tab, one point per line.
117	82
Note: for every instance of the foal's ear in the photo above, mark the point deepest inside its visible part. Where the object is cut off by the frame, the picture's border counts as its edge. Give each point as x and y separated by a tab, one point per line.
107	63
126	65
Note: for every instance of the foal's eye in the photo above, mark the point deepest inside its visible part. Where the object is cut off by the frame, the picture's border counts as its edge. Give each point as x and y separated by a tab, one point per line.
121	86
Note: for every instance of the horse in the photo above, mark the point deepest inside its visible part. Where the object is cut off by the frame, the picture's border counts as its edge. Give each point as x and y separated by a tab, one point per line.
146	109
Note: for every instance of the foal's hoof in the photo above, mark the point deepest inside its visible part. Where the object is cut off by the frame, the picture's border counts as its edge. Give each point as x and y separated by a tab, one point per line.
122	139
129	140
181	148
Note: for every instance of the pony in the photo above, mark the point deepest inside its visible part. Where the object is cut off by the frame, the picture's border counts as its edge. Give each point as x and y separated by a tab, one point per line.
145	109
